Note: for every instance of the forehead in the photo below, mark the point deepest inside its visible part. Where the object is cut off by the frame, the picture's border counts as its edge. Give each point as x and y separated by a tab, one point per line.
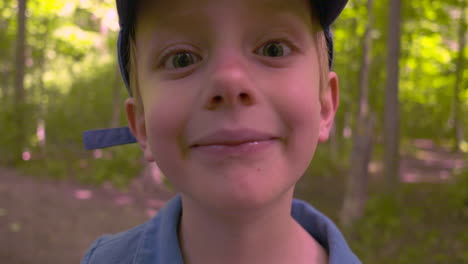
170	13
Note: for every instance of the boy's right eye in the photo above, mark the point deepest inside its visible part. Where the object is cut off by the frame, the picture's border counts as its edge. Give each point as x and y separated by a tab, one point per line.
180	60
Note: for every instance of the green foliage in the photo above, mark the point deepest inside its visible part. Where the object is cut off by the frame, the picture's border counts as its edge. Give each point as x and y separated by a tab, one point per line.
73	67
122	165
427	64
422	223
69	84
90	94
8	139
117	166
71	74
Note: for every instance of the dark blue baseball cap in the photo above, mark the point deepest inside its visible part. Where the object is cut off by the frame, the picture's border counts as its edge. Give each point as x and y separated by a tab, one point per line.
328	11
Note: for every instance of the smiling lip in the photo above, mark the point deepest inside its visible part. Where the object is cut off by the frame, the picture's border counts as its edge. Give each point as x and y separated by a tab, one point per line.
232	138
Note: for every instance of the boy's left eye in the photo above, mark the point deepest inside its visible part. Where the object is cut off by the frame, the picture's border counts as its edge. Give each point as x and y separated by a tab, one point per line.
274	49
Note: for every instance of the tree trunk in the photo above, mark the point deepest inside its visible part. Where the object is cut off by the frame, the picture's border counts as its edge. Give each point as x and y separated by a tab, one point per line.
4	82
19	100
356	188
4	67
41	62
458	129
391	108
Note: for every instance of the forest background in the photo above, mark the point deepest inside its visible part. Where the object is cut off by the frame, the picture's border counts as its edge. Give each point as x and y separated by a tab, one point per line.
396	162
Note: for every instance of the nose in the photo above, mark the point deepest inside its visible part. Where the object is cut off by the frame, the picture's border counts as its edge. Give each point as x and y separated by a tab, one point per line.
230	86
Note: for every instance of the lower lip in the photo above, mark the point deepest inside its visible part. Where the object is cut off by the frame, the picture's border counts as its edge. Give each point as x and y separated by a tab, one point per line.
235	150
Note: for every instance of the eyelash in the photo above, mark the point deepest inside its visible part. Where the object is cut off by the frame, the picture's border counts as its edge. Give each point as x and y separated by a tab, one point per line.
172	51
285	41
175	50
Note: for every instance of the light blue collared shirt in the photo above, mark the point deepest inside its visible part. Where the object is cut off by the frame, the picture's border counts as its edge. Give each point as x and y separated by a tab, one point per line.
156	241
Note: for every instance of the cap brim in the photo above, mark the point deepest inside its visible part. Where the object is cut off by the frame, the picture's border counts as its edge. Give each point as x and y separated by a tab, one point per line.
104	138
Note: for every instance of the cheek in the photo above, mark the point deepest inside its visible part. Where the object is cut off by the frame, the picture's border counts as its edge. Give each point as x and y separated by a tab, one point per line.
165	116
299	110
298	101
165	121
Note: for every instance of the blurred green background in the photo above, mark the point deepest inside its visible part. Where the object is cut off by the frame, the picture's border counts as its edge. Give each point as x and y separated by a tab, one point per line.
398	201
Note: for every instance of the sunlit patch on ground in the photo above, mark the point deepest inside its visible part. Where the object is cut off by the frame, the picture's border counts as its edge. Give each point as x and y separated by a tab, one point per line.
430	163
423	143
3	212
97	154
123	200
155	203
150	212
427	162
83	194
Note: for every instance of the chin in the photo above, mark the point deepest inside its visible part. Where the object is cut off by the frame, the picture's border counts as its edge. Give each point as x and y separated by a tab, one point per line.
245	195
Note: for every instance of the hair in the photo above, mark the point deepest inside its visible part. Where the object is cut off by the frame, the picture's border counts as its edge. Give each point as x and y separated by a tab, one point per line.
133	75
321	51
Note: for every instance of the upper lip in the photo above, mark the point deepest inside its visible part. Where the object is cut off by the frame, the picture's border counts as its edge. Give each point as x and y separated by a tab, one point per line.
232	137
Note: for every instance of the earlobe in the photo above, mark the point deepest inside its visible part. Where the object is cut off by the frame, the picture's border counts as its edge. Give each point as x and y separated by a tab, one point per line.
329	105
136	123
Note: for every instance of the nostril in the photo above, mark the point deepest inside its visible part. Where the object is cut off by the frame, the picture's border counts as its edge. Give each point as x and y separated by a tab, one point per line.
217	99
245	98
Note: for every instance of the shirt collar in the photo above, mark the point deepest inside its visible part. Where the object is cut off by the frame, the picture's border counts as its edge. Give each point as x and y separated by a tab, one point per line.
160	244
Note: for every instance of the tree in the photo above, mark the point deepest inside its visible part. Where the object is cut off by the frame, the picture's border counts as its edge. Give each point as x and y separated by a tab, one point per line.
356	188
391	107
19	77
458	131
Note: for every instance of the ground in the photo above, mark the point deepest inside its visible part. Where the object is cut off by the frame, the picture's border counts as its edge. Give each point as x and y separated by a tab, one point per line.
45	221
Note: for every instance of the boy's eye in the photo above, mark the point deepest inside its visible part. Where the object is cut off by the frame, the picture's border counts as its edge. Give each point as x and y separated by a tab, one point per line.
181	60
274	49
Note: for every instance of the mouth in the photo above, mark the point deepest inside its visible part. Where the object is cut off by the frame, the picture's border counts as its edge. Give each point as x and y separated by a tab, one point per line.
233	138
232	143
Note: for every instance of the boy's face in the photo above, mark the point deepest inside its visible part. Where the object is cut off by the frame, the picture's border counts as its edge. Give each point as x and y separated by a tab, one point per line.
213	73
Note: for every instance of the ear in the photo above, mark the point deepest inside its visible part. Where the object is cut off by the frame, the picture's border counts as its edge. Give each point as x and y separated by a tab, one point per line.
329	105
136	122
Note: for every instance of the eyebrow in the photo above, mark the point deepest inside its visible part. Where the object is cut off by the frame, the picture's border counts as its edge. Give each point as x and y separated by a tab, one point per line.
167	30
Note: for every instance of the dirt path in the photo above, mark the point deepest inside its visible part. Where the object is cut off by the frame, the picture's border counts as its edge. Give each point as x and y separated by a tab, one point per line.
430	163
426	162
45	222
